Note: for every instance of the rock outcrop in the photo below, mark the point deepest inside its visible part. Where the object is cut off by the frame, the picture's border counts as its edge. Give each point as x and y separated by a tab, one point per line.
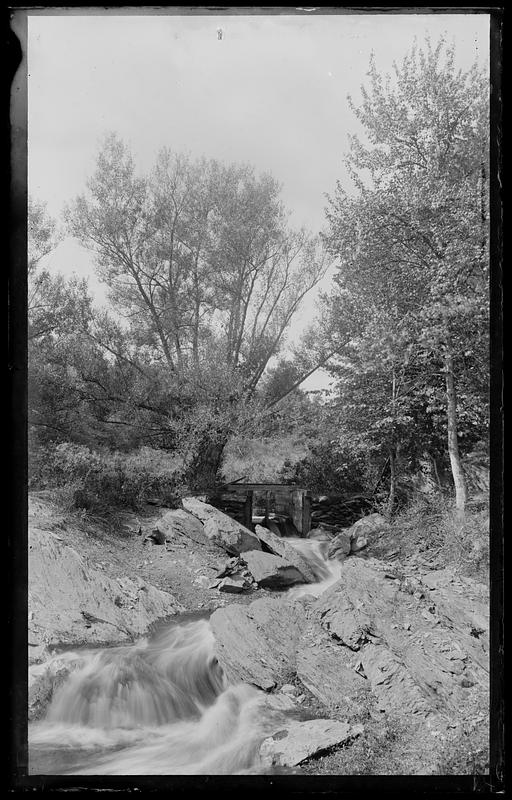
257	643
179	524
403	642
280	547
271	572
418	653
357	537
340	546
220	529
71	601
326	669
368	527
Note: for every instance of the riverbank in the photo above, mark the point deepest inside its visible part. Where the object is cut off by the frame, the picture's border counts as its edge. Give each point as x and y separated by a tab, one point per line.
397	652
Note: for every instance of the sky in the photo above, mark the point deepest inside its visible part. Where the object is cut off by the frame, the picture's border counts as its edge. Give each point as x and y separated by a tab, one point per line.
269	90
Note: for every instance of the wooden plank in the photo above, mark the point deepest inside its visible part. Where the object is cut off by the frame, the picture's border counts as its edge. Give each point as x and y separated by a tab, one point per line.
263	487
248	510
296	509
306	513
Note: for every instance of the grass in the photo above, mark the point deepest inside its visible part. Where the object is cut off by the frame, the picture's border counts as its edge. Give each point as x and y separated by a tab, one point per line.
434	533
390	746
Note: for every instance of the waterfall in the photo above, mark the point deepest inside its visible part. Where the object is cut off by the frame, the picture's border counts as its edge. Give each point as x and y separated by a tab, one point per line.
161	706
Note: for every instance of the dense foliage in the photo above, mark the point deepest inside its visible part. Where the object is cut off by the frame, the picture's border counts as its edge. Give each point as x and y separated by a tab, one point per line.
408	315
205	274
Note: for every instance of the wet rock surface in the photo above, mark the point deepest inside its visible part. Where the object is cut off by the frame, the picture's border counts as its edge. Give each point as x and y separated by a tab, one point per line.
280	547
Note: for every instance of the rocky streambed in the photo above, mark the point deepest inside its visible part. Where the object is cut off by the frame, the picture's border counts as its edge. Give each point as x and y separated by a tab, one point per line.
304	647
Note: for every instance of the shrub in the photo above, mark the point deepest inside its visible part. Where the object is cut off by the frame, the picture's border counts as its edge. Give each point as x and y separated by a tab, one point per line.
100	479
328	467
431	525
260	460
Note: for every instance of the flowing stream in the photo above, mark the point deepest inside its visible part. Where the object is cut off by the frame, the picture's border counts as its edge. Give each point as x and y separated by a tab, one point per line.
161	706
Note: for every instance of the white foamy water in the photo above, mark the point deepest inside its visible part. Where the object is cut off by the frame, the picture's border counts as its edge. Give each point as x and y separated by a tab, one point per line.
161	706
326	570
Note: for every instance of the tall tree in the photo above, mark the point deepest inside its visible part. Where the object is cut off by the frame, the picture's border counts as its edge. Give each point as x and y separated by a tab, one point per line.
205	270
59	310
412	241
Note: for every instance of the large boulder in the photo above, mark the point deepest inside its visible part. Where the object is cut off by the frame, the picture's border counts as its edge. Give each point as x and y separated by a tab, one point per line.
299	741
357	537
71	601
256	643
340	546
368	527
280	547
271	572
178	525
220	529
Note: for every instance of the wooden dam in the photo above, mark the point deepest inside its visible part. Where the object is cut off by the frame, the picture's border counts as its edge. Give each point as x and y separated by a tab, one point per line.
288	510
271	504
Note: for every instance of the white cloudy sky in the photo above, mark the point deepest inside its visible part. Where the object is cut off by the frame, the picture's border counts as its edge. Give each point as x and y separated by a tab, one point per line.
271	92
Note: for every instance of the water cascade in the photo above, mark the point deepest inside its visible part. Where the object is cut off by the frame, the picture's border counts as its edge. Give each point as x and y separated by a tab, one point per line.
161	706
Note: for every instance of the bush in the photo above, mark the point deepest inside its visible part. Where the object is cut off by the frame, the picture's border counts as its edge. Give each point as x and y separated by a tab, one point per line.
329	467
260	460
101	479
431	526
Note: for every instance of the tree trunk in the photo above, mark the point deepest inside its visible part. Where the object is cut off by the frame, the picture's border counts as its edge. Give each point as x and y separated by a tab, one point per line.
453	443
392	483
436	473
202	472
392	451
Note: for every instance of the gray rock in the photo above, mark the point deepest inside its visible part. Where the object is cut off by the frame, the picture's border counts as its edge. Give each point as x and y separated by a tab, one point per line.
358	542
280	547
180	525
365	613
340	546
278	702
156	536
74	602
299	741
221	529
290	689
327	669
368	526
256	643
271	572
233	585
